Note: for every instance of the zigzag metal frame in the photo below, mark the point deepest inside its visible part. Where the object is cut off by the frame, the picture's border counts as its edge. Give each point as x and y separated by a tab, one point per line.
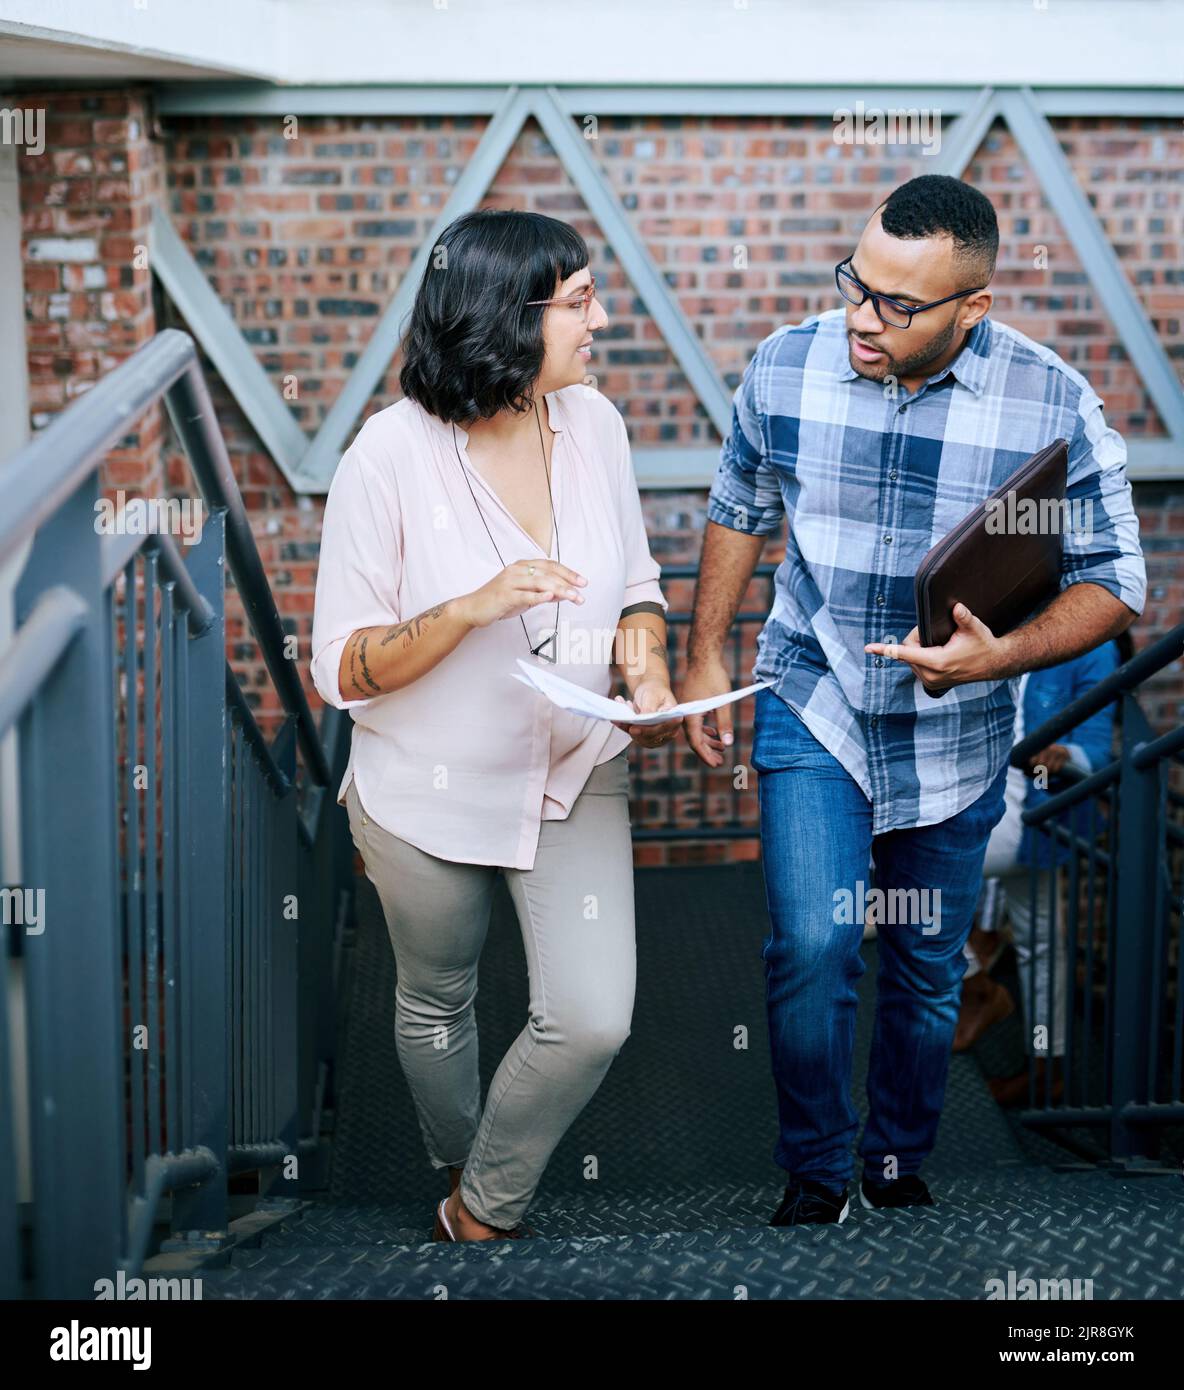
308	465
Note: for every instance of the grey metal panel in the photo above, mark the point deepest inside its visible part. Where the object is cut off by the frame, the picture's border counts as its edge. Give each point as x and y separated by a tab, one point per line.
1152	459
322	456
1039	143
754	101
637	262
225	345
262	98
1148	460
965	135
1143	102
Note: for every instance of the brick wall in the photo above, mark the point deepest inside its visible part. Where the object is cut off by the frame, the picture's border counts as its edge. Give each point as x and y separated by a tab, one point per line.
85	207
305	240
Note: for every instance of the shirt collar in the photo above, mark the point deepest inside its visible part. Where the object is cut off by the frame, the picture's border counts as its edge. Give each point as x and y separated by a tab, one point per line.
969	368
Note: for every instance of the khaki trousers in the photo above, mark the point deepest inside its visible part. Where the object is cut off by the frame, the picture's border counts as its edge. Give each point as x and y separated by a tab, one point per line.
575	911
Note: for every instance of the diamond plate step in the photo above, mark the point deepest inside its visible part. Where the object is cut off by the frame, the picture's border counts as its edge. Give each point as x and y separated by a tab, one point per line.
1126	1235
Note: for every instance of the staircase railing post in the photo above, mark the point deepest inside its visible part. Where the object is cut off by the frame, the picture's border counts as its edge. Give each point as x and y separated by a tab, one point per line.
1131	966
73	963
282	921
204	1004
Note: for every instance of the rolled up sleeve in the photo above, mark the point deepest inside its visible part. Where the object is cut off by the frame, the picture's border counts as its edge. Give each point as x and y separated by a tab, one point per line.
642	571
745	494
360	564
1101	541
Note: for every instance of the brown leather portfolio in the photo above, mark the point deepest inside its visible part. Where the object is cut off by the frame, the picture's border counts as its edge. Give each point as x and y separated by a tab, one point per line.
1003	559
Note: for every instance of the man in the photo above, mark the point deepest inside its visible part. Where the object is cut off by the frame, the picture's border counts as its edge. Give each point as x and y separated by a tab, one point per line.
874	428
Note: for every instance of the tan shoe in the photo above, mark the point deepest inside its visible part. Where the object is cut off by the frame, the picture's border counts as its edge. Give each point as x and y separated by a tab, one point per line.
987	946
985	1002
1011	1092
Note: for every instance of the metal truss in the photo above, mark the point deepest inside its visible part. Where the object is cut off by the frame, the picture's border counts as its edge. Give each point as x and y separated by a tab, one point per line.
308	464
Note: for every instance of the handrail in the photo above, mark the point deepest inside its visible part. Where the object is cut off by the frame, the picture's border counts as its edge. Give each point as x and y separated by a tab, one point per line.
1146	663
194	419
33	652
1082	789
40	476
119	550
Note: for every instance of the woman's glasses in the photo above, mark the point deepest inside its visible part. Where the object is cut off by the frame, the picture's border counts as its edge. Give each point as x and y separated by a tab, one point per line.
891	312
581	298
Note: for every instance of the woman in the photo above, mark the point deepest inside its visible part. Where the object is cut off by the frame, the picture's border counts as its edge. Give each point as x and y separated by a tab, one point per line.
436	578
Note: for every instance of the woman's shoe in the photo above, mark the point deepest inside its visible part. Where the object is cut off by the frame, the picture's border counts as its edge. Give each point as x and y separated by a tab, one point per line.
443	1229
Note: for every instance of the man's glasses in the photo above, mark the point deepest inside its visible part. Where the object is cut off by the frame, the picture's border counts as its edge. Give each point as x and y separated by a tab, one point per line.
581	298
891	312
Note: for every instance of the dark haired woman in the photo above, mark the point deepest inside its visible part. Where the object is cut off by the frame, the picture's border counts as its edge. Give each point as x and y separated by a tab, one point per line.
489	516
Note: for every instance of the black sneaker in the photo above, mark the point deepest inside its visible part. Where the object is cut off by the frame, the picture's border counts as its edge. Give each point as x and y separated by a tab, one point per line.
908	1191
808	1203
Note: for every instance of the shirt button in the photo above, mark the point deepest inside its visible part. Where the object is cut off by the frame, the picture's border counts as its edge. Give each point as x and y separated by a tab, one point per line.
900	410
873	721
879	661
880	600
887	540
892	475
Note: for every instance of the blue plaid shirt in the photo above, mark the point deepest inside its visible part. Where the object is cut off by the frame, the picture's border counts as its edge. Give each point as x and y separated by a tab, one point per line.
869	481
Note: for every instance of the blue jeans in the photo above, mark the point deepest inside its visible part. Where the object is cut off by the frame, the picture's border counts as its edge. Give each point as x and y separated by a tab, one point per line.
817	845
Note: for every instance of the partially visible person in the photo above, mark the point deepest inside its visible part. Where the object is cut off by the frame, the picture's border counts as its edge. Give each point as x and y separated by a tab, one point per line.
1011	852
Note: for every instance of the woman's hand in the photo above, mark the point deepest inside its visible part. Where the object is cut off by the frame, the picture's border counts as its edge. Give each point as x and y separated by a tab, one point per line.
648	697
518	587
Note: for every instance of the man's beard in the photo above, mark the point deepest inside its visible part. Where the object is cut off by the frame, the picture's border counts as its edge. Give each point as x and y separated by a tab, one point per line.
898	367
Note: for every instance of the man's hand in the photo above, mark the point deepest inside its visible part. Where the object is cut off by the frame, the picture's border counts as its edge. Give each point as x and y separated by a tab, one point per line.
708	734
973	653
648	697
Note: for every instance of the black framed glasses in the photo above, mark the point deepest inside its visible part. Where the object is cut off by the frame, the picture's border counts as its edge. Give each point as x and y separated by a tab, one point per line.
891	312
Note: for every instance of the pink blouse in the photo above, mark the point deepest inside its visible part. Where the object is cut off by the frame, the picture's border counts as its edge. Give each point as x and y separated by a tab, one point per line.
465	761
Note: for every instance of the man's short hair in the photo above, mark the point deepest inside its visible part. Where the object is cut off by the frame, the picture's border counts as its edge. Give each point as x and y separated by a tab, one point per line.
936	205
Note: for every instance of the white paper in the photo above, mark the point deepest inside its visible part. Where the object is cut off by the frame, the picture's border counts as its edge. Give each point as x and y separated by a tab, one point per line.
578	700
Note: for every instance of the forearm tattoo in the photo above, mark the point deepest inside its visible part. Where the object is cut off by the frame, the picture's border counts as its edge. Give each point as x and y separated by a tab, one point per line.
361	678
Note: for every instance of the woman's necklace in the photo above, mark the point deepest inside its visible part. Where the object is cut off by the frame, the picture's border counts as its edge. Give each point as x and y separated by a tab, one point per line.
547	641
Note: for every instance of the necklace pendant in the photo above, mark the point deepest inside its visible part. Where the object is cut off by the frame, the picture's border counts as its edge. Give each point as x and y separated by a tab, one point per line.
545	651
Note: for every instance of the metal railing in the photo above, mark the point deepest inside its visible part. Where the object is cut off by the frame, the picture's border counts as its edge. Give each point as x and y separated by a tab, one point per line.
193	878
1112	922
